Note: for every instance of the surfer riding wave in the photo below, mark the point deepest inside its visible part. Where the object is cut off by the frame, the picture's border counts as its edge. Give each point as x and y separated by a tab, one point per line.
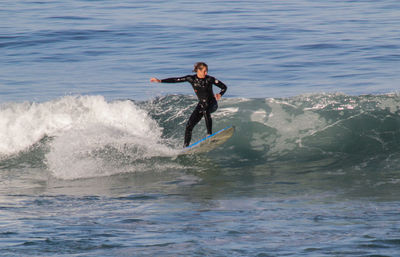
202	85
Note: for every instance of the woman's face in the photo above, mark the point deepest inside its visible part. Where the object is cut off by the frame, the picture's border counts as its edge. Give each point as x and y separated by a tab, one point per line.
202	72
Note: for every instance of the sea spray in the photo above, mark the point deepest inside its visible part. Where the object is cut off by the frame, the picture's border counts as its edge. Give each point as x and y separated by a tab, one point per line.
109	139
89	136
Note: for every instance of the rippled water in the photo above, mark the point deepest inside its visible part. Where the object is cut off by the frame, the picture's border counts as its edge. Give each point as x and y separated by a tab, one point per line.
259	48
88	147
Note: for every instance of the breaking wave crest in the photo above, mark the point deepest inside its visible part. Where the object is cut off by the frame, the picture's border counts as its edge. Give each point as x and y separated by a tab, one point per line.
86	136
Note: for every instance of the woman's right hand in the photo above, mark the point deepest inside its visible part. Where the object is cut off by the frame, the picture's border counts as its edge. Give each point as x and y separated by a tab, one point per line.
155	80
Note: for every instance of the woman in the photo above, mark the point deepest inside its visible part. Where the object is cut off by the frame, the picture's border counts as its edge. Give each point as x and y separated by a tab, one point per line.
202	85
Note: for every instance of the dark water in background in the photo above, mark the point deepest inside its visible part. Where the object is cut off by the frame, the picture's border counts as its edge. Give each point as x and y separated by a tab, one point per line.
309	172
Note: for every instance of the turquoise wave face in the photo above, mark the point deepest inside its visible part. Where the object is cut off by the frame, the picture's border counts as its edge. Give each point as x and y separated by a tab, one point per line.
302	128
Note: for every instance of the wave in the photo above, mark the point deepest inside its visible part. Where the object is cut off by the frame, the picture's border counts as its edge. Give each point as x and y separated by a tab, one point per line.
86	136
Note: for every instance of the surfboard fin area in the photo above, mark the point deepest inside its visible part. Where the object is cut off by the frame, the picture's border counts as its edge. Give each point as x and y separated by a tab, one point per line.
210	142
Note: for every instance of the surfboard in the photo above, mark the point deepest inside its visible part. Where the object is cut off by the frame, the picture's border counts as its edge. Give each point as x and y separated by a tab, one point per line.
210	142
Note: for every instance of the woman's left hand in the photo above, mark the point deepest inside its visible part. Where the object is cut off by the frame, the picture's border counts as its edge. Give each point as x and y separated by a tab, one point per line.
218	96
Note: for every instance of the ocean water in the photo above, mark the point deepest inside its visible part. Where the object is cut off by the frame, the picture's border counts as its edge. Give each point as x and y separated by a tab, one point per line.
89	161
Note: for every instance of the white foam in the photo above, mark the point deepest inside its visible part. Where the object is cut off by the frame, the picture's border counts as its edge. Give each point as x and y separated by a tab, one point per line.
227	111
90	136
259	116
291	128
24	124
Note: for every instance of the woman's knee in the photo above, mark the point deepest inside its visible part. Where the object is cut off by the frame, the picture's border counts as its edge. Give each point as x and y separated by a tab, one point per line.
213	107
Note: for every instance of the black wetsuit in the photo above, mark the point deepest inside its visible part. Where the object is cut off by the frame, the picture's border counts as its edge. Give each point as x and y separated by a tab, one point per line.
207	102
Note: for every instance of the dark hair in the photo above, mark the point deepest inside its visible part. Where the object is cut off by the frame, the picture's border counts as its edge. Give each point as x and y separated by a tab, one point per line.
199	65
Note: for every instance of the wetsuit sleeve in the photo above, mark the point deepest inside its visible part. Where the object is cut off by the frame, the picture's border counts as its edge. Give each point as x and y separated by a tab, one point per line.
175	80
220	85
